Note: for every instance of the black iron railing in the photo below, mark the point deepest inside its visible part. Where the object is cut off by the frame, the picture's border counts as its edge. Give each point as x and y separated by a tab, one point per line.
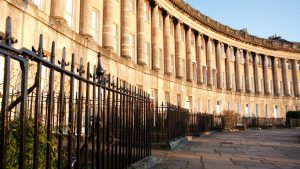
202	122
69	117
169	122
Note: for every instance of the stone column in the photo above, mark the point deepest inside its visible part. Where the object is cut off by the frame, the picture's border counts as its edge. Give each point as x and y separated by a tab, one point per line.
125	34
85	23
228	69
141	58
198	57
108	10
58	8
209	62
246	66
295	78
256	78
284	77
178	51
189	75
167	53
155	38
275	75
218	64
265	73
237	69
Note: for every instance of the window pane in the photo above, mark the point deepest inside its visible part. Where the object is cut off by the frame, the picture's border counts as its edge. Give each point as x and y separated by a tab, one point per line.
95	24
39	3
69	6
115	37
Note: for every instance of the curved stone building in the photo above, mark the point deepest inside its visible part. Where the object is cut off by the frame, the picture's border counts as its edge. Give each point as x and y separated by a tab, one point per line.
169	49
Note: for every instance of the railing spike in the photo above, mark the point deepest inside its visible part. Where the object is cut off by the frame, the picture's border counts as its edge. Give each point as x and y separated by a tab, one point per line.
73	61
100	71
8	31
88	70
63	56
53	49
40	43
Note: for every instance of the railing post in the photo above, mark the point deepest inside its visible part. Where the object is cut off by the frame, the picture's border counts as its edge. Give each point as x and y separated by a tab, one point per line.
37	104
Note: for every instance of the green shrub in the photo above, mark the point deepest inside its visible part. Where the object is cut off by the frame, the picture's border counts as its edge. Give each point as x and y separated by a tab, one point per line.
13	145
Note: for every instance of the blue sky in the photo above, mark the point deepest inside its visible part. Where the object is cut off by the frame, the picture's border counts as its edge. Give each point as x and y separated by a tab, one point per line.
262	18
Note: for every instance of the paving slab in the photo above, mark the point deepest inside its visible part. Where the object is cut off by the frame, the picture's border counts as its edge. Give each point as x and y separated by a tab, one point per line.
250	149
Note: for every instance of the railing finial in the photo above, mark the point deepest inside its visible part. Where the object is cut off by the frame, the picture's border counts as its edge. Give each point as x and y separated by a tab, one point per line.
100	71
8	38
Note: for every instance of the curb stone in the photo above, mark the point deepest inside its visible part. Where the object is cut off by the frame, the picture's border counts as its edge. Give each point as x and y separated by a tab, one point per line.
145	163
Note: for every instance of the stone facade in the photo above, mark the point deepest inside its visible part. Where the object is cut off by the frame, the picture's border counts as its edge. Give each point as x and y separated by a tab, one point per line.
169	49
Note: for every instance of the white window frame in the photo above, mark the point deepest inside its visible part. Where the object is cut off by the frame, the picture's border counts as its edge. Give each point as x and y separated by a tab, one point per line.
204	72
209	106
262	85
195	72
223	79
171	28
292	88
160	21
115	37
95	24
147	51
281	88
199	105
271	87
182	34
167	97
39	3
233	81
71	14
132	5
179	99
219	106
257	110
132	45
146	12
173	63
161	59
242	83
266	110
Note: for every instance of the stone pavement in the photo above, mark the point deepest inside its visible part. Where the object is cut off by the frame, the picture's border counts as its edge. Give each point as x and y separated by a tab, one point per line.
251	149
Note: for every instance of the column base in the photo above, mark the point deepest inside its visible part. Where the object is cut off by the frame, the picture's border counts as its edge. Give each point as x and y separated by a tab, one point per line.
87	36
142	63
168	73
126	56
54	20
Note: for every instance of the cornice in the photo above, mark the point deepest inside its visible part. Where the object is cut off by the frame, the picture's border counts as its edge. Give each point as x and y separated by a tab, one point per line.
227	31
